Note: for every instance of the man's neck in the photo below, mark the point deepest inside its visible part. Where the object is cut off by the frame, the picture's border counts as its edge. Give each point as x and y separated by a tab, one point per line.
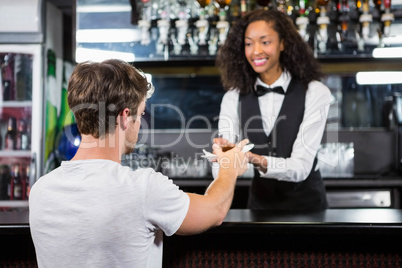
93	148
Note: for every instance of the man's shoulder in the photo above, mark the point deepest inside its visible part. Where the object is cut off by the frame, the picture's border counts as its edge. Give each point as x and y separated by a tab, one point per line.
108	170
44	179
148	173
53	173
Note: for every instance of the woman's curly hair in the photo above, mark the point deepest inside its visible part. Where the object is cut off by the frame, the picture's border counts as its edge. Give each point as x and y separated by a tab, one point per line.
297	57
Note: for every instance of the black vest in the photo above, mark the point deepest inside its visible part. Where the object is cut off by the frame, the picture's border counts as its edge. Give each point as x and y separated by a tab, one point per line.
266	193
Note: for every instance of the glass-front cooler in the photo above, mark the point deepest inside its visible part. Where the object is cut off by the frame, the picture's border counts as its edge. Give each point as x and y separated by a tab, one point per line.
20	121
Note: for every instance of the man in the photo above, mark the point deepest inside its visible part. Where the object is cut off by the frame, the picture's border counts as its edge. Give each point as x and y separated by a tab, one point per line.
93	212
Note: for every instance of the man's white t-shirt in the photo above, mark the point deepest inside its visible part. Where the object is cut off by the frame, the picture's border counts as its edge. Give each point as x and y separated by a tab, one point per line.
97	213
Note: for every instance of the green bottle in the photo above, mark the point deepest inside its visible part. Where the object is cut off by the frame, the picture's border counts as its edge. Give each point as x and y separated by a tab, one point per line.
66	116
51	111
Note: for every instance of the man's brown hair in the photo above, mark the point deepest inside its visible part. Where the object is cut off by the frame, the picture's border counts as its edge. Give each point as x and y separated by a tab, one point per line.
99	91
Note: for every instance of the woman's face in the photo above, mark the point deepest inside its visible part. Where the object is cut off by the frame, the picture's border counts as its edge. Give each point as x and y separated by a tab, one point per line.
262	50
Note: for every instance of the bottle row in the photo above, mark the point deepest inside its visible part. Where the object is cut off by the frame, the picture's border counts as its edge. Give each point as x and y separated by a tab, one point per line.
337	26
17	135
231	10
16	77
14	182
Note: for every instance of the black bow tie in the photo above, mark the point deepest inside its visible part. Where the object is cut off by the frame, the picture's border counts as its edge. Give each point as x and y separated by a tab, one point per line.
261	90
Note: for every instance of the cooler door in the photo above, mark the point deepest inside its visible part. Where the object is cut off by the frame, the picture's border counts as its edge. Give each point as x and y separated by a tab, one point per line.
20	122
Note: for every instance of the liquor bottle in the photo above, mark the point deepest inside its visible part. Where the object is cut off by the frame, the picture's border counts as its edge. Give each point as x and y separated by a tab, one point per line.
5	178
223	3
235	10
202	24
22	140
30	166
16	183
8	78
365	19
323	22
387	18
323	6
302	19
23	74
29	134
10	140
223	7
223	23
377	10
303	8
387	5
243	7
355	11
203	4
24	181
20	81
343	10
282	6
263	3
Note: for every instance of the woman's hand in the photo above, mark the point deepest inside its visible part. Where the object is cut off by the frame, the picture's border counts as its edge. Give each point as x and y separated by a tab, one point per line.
258	161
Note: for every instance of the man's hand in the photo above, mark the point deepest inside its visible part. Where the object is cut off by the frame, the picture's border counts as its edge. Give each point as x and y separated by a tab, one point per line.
233	159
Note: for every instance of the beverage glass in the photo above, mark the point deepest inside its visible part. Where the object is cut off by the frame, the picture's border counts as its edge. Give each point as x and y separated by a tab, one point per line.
226	141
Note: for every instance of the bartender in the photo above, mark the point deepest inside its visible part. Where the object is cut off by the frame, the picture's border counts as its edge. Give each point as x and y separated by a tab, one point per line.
275	99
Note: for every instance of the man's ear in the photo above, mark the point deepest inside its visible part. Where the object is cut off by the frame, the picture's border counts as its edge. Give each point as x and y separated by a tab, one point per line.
125	117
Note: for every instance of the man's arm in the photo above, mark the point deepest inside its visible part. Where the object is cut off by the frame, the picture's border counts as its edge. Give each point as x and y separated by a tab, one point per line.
210	209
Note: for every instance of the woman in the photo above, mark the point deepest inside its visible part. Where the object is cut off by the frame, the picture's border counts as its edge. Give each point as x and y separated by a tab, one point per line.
264	50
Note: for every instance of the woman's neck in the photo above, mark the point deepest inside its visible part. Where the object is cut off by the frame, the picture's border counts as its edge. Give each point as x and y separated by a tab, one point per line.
270	77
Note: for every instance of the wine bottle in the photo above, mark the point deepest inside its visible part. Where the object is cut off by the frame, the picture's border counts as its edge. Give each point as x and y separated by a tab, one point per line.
16	183
10	140
24	181
8	78
5	177
22	140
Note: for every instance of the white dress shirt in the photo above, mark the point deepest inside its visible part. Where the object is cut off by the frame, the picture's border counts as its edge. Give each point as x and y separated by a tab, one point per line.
297	167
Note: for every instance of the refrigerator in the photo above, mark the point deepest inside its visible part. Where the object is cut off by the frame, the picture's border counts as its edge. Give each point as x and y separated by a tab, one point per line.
22	120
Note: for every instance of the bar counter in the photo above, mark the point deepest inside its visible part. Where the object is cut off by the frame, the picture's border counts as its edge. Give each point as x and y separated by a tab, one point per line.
332	238
247	238
358	183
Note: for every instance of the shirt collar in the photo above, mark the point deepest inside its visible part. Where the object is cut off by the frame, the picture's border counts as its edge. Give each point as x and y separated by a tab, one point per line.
283	81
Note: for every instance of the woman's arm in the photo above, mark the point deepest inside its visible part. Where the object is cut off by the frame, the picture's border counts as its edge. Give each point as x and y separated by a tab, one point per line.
298	166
